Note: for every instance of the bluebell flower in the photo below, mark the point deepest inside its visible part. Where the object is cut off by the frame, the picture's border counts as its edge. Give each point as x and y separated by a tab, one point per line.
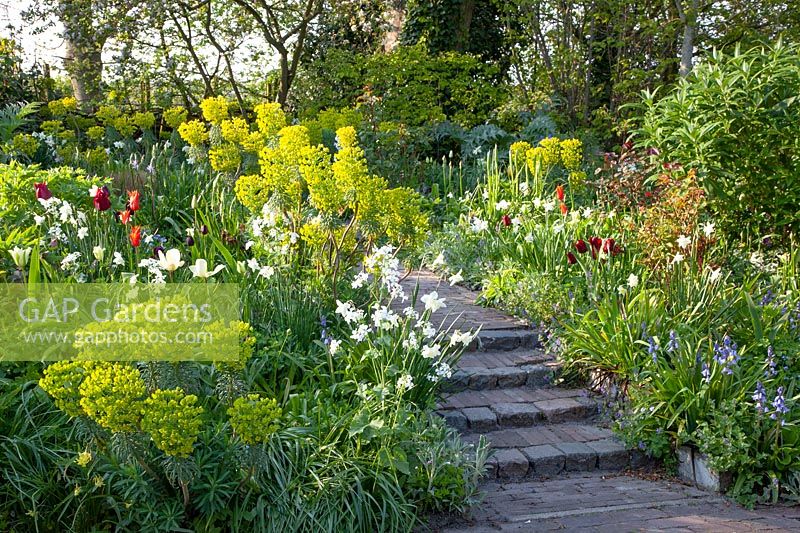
706	373
760	397
726	354
772	370
779	404
768	298
672	345
652	349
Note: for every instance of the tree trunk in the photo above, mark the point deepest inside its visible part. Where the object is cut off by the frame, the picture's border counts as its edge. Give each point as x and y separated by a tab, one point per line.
396	15
84	63
464	25
689	19
285	81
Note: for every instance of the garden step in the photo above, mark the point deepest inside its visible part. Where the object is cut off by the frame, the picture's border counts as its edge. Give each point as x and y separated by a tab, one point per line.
550	459
481	411
505	340
503	377
498	359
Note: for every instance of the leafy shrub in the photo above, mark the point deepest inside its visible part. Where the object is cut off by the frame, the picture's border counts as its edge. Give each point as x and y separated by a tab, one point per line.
736	120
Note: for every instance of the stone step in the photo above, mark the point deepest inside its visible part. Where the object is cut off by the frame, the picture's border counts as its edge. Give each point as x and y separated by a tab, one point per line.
503	377
502	358
505	340
545	460
482	411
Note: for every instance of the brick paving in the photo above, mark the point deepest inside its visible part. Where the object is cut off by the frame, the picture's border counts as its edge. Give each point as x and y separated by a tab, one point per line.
554	467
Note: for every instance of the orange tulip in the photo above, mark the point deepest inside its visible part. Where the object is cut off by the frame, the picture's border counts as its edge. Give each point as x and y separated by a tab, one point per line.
133	200
125	216
136	236
560	193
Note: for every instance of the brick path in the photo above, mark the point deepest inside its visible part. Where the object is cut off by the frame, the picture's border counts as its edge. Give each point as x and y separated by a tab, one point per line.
554	466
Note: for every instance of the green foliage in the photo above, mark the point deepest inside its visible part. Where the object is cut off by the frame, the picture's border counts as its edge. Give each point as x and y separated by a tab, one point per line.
735	121
409	85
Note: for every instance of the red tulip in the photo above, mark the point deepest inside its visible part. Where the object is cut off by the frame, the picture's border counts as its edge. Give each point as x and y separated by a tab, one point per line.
608	245
616	250
42	192
580	245
125	216
560	193
102	201
596	243
133	200
564	209
506	220
571	259
136	236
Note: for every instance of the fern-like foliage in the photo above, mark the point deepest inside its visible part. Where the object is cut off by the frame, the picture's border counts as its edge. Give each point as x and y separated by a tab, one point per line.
13	116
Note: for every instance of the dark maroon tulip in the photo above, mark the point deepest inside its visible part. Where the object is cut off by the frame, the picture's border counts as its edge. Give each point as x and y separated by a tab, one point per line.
42	192
102	200
580	245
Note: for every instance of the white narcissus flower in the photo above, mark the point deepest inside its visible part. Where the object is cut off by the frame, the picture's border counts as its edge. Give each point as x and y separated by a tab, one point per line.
252	264
405	383
460	338
716	273
200	269
93	191
432	302
439	261
99	252
38	219
679	257
633	280
333	347
266	272
456	278
502	205
431	351
118	259
171	261
21	256
708	229
360	333
684	241
82	233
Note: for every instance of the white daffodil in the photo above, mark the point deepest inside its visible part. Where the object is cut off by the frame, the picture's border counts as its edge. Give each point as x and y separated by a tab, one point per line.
432	302
708	229
99	252
266	272
456	278
431	351
21	256
118	259
633	280
716	273
679	257
502	205
200	269
334	345
460	338
171	261
439	261
684	242
405	383
82	233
